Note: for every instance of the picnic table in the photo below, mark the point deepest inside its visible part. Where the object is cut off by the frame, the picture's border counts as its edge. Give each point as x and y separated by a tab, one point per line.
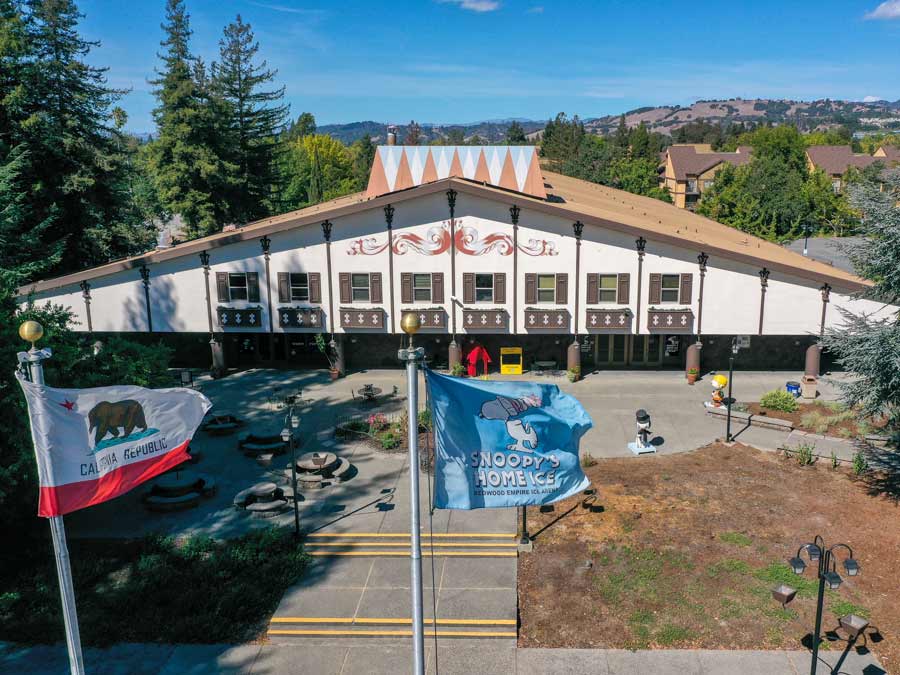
369	393
545	365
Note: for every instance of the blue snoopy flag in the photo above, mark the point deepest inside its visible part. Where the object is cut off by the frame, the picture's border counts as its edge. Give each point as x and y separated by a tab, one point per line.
504	443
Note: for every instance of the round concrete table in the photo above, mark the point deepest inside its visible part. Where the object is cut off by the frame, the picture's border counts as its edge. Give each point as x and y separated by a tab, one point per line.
305	462
176	483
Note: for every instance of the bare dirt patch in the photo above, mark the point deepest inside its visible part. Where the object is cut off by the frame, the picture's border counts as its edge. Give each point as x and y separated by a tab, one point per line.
684	550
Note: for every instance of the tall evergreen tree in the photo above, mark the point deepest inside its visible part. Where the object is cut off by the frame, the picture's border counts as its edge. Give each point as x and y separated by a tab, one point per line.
515	134
413	134
255	118
363	152
186	167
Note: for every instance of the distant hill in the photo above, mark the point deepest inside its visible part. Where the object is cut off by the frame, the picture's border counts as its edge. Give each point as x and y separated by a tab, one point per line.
807	115
492	131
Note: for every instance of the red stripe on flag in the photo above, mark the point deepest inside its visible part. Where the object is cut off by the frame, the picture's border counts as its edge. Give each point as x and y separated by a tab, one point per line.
62	499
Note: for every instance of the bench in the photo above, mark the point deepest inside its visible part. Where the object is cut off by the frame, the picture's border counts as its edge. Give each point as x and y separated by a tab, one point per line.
342	470
268	509
208	485
169	504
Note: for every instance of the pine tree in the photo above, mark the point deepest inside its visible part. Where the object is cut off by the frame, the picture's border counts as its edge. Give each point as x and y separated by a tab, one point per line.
304	126
186	167
413	134
255	118
60	120
515	134
869	348
363	152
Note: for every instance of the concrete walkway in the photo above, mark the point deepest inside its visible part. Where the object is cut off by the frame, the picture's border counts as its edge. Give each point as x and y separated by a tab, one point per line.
454	657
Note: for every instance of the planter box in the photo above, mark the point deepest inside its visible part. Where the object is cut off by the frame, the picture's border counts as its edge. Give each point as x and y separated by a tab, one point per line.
485	319
608	319
670	321
250	317
362	318
547	319
300	317
429	318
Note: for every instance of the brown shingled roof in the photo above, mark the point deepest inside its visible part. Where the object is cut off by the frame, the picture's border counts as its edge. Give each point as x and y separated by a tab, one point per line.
888	154
836	159
693	159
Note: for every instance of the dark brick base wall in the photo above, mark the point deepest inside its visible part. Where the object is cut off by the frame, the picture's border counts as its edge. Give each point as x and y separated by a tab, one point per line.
767	352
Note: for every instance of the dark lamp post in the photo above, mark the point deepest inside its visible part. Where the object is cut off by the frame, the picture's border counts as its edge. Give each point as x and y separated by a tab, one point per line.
826	562
287	435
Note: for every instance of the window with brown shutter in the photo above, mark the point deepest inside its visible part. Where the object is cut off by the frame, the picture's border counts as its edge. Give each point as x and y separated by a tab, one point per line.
655	289
531	289
499	287
222	287
437	287
252	286
468	288
344	284
406	287
687	283
592	294
284	287
624	289
298	286
562	289
375	284
315	287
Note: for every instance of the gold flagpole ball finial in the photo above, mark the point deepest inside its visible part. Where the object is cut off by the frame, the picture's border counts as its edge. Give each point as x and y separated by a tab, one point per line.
410	323
31	331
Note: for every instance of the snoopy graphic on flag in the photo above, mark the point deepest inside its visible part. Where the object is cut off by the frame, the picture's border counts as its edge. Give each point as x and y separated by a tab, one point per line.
503	408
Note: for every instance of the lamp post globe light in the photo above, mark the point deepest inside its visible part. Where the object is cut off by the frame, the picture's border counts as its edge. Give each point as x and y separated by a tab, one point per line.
825	560
291	423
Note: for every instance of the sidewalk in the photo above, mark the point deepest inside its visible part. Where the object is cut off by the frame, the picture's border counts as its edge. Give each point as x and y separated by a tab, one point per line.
455	657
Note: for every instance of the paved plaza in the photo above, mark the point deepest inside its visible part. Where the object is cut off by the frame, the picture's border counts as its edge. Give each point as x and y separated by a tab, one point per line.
350	612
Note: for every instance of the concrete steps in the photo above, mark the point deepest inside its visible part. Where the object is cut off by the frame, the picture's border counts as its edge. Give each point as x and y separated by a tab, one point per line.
350	627
377	544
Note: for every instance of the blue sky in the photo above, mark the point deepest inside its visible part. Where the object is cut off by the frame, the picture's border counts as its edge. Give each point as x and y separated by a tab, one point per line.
469	60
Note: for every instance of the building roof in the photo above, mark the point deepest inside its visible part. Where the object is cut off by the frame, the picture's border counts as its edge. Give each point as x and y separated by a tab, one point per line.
695	158
890	153
398	167
836	159
570	198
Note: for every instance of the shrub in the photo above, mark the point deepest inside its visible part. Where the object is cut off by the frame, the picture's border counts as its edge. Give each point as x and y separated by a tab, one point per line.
860	464
458	370
803	453
814	421
587	459
778	399
389	440
574	374
424	418
377	422
835	462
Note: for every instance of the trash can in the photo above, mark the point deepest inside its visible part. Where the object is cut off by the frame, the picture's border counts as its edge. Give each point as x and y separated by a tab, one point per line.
793	388
809	388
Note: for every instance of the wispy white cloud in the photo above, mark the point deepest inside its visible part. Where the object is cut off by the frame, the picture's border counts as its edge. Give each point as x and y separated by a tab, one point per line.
890	9
474	5
537	9
288	9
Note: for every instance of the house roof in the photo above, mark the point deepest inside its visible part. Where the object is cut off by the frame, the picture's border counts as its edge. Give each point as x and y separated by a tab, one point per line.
569	198
693	159
514	167
890	153
836	159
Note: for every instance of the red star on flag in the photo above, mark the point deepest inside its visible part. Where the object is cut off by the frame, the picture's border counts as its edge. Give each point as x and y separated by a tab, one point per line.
68	405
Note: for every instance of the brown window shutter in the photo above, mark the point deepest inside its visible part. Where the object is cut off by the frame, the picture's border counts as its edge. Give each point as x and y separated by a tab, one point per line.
315	287
562	289
624	290
530	289
222	287
437	287
284	287
468	288
499	287
406	293
687	283
375	286
344	283
655	288
593	289
252	286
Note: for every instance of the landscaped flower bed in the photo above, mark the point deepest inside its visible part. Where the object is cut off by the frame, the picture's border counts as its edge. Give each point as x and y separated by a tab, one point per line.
385	433
829	418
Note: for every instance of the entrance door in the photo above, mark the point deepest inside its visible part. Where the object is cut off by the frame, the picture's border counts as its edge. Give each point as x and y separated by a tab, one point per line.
611	349
646	350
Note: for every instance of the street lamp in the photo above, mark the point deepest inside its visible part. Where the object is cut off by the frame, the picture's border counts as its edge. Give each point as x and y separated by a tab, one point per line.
738	342
287	435
807	230
827	573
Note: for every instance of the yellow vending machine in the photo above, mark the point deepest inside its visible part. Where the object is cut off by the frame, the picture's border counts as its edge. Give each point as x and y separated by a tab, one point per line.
510	360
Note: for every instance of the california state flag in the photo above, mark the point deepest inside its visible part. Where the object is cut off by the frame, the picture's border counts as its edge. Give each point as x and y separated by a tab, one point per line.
95	444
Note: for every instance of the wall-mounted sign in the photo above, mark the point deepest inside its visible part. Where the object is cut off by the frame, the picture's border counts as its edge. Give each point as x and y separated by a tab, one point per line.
673	344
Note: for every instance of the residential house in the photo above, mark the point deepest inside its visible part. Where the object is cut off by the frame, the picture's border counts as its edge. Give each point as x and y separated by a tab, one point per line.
688	170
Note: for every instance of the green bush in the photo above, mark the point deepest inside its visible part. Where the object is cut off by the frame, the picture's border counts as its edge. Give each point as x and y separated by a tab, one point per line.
458	370
804	453
588	460
778	399
860	464
424	418
389	440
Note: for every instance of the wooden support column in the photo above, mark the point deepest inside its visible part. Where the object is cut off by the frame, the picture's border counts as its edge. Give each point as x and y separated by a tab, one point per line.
451	204
86	294
826	296
266	244
640	244
763	286
702	260
326	232
389	219
145	278
514	212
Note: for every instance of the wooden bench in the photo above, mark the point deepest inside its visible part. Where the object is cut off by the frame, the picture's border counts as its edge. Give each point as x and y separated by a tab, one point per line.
341	472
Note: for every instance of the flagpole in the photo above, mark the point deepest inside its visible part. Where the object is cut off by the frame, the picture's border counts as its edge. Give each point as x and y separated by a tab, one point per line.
32	331
411	356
